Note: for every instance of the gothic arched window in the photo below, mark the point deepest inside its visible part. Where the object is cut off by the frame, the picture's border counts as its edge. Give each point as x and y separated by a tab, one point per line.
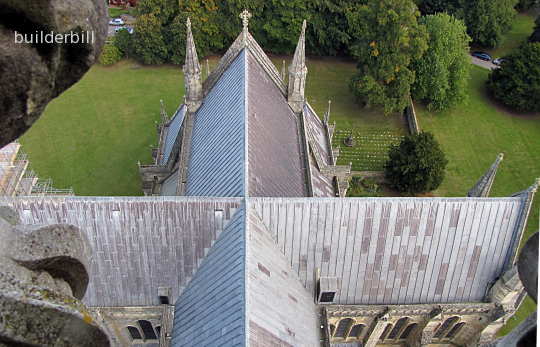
407	332
386	331
343	327
134	333
148	330
455	330
357	330
445	326
397	328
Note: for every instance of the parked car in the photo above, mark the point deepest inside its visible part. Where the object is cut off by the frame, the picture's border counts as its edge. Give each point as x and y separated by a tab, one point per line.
129	30
498	61
481	55
116	21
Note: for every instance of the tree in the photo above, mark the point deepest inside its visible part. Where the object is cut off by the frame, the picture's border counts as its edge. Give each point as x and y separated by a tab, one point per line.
386	37
110	55
150	47
442	72
535	36
123	40
416	165
488	20
517	82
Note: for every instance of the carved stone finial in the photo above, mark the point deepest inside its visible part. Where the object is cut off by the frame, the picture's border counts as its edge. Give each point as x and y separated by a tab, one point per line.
188	23
245	15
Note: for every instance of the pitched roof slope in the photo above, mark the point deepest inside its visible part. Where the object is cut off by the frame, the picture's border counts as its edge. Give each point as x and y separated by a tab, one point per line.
275	154
216	164
138	244
320	148
172	133
281	312
397	250
211	310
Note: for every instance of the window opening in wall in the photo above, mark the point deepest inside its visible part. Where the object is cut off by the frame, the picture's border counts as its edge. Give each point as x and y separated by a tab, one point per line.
158	330
386	331
357	330
408	331
134	333
397	328
342	327
455	330
148	330
164	300
445	326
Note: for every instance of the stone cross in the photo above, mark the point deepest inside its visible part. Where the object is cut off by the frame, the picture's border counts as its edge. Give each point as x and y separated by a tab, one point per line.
245	15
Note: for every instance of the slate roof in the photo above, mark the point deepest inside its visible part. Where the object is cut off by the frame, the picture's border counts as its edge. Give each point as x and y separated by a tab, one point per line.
138	244
246	139
318	140
172	133
397	250
212	309
276	163
383	250
216	164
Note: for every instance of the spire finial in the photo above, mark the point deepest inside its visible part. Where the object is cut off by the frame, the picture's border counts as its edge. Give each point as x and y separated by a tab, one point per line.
245	15
188	23
192	72
297	74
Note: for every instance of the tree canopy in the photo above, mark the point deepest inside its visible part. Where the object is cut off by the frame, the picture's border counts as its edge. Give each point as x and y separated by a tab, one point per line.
416	165
488	20
517	82
535	36
386	37
443	71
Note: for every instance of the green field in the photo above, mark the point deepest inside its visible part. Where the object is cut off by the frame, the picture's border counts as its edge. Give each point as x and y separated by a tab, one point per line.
92	136
115	12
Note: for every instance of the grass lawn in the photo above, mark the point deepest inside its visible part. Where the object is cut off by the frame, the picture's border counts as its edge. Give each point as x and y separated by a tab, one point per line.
472	135
115	12
521	30
91	137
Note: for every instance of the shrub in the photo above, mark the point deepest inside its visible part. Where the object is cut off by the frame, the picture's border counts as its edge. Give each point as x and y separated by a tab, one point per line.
110	55
416	165
517	82
123	40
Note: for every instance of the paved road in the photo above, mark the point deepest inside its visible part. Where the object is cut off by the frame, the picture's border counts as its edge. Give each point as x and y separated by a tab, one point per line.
482	63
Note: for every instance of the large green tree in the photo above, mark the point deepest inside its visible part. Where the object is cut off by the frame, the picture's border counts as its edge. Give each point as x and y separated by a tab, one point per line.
488	20
386	37
517	82
416	165
442	72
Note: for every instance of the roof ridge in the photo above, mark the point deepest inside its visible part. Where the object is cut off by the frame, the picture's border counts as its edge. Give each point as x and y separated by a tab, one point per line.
240	43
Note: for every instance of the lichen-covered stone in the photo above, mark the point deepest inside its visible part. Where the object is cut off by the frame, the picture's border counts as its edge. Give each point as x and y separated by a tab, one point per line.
31	75
43	276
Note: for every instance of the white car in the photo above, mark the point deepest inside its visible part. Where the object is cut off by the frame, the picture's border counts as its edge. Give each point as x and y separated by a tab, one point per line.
116	21
498	61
